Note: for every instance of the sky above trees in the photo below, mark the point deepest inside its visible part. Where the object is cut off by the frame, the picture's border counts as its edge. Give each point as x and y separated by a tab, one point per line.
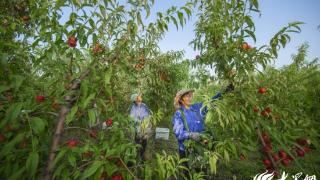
274	15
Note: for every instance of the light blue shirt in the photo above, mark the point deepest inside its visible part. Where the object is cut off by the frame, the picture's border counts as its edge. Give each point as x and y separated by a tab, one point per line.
139	113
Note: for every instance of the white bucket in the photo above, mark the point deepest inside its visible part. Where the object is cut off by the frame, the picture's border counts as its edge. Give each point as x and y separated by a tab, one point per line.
162	133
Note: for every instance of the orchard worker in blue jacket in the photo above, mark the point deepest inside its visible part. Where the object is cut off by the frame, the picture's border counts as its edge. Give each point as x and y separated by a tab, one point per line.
140	112
188	119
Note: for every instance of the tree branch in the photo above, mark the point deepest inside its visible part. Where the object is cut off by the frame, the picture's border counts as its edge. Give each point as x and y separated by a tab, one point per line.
75	84
274	165
124	165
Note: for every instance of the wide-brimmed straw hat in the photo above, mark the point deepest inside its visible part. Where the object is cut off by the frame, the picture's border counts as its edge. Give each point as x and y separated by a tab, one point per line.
176	102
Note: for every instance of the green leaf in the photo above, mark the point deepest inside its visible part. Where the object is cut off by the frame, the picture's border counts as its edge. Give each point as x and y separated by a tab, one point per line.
249	21
84	87
94	39
226	156
165	25
103	11
72	160
159	14
111	168
92	116
37	125
92	169
88	100
174	22
160	26
107	77
120	8
180	16
17	81
32	163
251	33
73	17
59	156
255	3
139	19
18	174
160	168
213	163
188	11
283	41
59	4
91	22
58	171
9	146
70	116
4	88
12	113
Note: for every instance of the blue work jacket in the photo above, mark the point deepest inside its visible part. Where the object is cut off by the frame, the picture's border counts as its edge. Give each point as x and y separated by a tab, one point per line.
195	116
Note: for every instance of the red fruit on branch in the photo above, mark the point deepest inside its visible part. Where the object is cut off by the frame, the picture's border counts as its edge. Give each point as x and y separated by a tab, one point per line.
306	149
72	42
266	138
267	148
40	98
277	117
246	46
87	154
103	176
285	162
164	77
93	134
8	96
242	157
205	142
139	66
117	177
300	152
267	162
262	90
302	141
72	143
264	113
265	135
25	19
97	48
23	144
289	157
268	109
118	163
268	142
2	138
282	154
275	157
109	122
8	128
55	105
255	109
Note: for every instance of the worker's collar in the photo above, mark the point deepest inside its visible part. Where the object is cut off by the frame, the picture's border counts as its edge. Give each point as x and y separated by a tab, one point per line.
136	104
190	108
